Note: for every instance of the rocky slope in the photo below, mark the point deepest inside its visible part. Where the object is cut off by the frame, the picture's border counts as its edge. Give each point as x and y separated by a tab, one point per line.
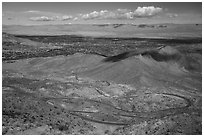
154	91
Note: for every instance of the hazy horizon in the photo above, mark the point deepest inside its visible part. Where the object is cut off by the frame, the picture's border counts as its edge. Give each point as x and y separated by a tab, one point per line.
60	13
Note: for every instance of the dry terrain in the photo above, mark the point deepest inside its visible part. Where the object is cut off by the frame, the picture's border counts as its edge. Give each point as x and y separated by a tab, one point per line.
69	84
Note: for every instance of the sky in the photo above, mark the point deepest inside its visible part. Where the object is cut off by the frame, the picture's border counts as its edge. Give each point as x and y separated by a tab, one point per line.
42	13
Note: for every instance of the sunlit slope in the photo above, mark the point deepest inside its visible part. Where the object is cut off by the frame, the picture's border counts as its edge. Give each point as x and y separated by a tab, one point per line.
21	41
157	68
59	65
148	70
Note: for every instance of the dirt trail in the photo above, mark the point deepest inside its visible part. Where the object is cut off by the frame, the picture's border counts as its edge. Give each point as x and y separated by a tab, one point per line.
125	116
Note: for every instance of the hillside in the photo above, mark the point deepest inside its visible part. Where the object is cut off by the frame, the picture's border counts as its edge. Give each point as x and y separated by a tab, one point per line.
92	94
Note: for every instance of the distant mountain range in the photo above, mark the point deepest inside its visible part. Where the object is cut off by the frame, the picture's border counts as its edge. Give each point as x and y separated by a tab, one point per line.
167	30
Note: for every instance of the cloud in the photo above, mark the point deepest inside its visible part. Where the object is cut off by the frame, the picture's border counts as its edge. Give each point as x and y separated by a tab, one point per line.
147	11
91	15
140	12
105	14
53	18
47	16
124	14
42	18
67	17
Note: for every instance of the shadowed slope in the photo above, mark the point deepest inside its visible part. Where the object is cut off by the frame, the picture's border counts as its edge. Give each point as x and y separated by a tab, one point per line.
148	67
159	54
